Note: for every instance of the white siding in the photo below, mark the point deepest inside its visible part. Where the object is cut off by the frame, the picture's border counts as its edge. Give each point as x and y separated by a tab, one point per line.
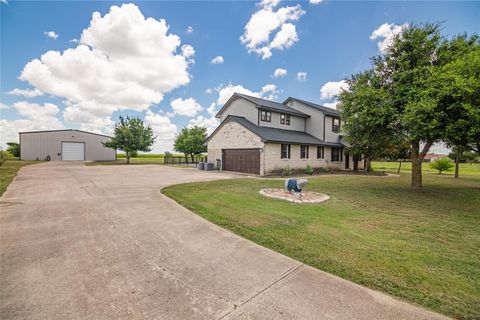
314	124
331	136
39	145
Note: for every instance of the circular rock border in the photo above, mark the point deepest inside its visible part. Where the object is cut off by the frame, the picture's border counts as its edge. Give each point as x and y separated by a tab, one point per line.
307	196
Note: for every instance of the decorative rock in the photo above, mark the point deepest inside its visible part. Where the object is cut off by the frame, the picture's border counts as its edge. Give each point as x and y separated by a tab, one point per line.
303	197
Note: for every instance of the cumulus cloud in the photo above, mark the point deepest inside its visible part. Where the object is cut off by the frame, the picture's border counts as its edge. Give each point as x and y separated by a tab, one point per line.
217	60
189	29
51	34
123	61
185	107
279	72
332	105
268	91
3	106
210	123
270	29
332	89
302	76
164	129
27	93
315	1
386	33
33	117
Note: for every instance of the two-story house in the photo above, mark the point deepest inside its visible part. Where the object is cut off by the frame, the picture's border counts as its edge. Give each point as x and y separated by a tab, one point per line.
261	136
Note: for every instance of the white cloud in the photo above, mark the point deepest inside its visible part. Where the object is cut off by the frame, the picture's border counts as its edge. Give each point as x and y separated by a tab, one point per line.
124	61
268	23
27	93
164	129
74	40
189	29
217	60
386	32
333	88
210	123
4	1
302	76
315	1
3	106
279	72
332	105
268	91
185	107
209	91
33	117
51	34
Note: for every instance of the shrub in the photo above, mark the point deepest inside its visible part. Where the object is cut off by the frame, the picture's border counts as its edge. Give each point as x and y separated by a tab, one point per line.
443	164
4	156
286	171
14	149
309	170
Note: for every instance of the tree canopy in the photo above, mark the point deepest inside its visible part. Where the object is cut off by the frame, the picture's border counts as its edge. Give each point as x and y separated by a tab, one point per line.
14	149
191	141
131	136
423	89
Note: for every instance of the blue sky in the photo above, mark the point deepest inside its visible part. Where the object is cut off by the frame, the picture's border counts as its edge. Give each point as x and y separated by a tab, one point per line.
147	73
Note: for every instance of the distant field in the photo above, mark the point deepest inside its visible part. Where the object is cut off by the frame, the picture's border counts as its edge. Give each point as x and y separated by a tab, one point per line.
123	161
465	168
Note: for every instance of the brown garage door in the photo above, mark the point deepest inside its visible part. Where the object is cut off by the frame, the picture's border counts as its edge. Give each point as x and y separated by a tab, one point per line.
241	160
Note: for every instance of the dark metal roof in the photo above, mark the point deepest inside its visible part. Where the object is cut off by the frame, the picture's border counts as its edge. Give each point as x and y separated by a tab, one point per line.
277	135
265	104
43	131
326	110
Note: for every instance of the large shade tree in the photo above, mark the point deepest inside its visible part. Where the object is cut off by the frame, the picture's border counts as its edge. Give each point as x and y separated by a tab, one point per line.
408	91
131	135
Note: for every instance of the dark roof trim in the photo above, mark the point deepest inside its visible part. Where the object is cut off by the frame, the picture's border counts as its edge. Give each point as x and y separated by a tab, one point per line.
326	110
261	103
43	131
266	136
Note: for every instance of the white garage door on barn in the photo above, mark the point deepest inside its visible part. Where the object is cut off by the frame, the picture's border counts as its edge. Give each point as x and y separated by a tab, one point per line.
72	151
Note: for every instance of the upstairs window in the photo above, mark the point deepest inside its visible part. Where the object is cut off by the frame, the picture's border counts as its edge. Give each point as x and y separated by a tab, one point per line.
336	154
320	152
285	119
303	152
336	125
285	154
266	116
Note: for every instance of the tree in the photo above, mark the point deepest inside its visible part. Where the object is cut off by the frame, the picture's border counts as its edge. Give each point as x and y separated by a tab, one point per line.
443	164
191	141
131	136
4	156
370	126
457	84
14	149
407	89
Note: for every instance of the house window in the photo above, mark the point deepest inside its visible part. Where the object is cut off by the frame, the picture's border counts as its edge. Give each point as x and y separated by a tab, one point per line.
303	152
320	152
285	154
336	154
285	119
266	116
336	125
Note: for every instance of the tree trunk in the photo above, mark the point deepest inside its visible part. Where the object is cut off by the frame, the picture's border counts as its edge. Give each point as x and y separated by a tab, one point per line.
399	166
458	155
417	160
128	157
367	164
193	157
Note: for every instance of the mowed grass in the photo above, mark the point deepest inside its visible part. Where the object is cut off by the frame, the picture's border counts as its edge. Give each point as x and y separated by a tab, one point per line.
421	247
9	170
465	168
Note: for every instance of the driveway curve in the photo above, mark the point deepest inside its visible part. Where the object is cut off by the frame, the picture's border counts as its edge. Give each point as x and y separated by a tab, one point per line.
102	242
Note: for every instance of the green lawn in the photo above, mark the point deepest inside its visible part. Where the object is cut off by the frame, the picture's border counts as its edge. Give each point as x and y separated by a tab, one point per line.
421	247
9	170
465	168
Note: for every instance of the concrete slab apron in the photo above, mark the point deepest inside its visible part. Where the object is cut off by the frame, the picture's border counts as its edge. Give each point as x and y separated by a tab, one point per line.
101	242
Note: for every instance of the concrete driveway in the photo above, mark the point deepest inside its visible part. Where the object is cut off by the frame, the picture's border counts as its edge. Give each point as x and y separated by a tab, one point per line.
101	242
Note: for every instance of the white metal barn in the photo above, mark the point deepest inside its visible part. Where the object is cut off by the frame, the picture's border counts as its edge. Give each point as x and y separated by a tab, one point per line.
66	145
